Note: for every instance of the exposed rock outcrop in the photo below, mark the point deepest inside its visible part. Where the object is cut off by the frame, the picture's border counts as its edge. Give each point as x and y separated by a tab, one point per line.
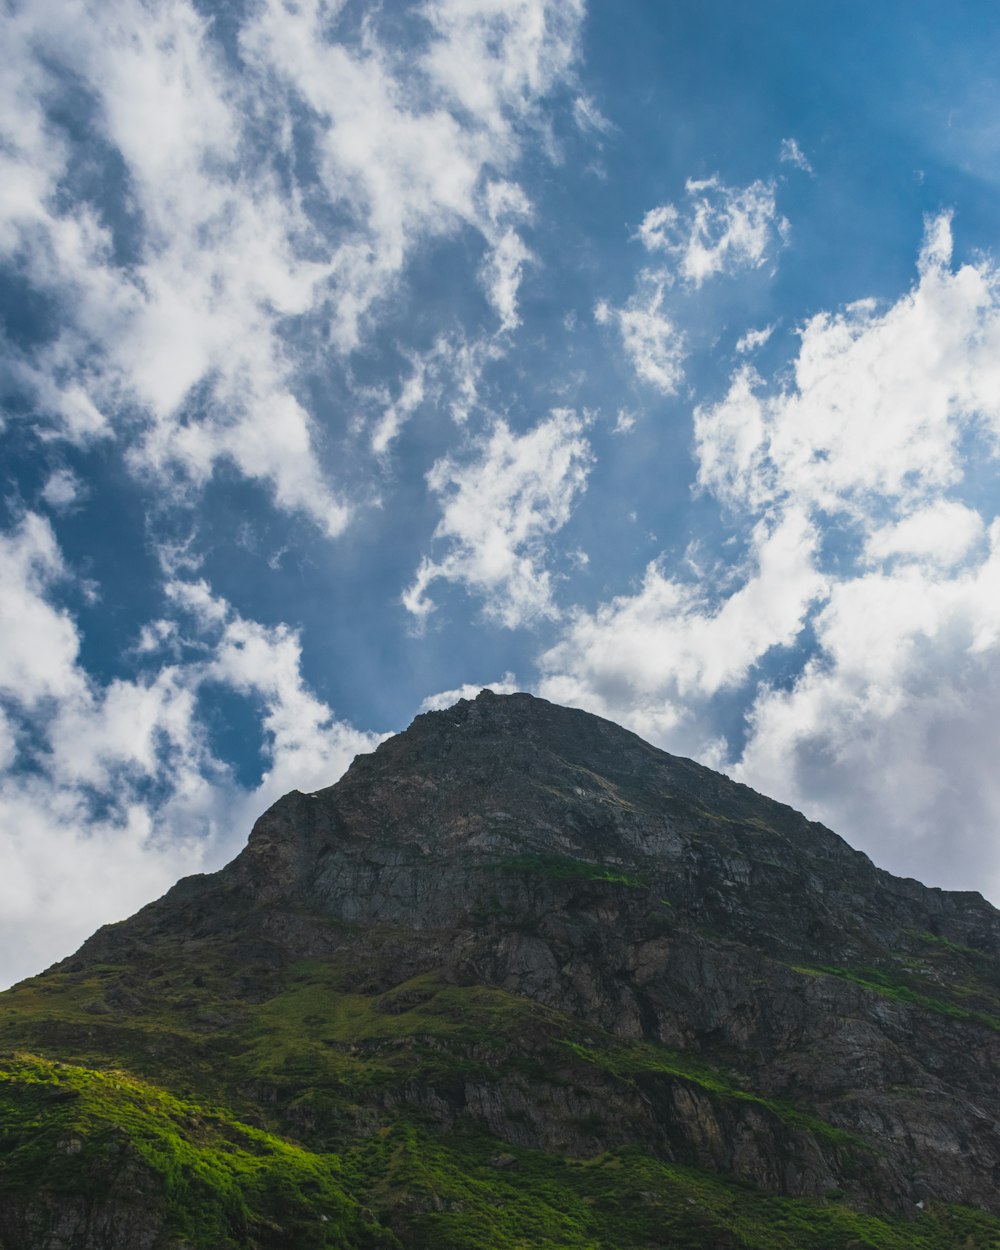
524	918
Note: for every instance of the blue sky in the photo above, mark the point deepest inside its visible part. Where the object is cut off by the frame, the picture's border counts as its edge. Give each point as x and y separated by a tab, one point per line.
644	356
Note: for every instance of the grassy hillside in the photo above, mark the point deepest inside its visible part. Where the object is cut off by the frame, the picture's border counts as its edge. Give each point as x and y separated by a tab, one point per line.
319	1116
69	1133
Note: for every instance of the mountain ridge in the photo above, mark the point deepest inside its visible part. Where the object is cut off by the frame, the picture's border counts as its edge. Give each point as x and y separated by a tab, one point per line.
726	794
520	920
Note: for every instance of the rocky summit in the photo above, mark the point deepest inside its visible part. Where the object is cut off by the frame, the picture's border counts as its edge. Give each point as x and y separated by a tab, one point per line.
518	980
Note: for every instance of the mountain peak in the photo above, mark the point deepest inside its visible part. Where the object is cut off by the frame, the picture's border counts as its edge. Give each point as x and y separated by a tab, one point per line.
642	952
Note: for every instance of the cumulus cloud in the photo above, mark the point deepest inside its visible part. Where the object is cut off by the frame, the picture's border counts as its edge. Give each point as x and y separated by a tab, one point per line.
111	790
60	882
498	508
719	229
218	266
306	747
889	733
654	658
857	474
227	221
940	533
880	399
891	412
193	308
78	840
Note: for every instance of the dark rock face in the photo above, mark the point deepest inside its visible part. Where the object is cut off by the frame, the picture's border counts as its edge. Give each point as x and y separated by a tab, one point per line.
838	1028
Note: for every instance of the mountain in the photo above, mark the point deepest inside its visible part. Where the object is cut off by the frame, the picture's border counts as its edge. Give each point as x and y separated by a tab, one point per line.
519	979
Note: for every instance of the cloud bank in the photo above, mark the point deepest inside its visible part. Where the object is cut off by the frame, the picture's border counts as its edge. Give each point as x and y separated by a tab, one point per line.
871	562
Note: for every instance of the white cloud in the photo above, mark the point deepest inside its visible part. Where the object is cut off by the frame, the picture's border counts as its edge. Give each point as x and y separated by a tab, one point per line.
940	533
447	698
624	421
496	59
653	658
78	841
195	349
884	732
503	267
720	229
858	476
62	489
110	791
448	375
306	747
8	742
498	510
589	117
889	734
409	139
652	342
140	728
67	870
398	411
220	261
753	339
791	154
38	659
465	362
879	402
502	274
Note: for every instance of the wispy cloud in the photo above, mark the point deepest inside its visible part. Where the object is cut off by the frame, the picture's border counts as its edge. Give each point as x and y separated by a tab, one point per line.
588	116
718	229
752	339
791	154
498	509
653	344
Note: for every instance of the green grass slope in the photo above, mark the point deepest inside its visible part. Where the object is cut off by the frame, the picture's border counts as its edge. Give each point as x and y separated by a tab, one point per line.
293	1122
69	1131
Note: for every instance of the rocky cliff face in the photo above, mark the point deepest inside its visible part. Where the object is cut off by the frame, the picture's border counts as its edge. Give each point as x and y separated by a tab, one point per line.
518	929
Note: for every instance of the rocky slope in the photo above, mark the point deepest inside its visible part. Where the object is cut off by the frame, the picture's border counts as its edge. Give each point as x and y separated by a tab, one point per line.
518	979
